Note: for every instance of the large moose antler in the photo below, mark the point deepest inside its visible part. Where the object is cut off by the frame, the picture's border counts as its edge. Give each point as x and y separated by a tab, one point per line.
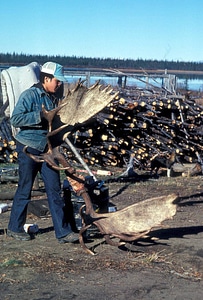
79	105
128	224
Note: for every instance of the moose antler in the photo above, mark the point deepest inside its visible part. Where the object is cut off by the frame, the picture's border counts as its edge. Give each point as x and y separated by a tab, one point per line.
130	223
79	105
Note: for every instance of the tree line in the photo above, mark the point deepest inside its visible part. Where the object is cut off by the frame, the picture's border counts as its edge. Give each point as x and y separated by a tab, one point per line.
88	62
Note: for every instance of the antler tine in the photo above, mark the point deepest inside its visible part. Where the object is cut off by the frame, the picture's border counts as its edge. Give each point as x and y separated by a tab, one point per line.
49	114
82	81
34	157
108	90
78	84
94	85
49	157
57	130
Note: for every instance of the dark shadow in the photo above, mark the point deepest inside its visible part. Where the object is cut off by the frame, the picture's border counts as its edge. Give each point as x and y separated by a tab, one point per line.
178	232
160	234
120	191
190	198
45	230
190	203
136	178
2	231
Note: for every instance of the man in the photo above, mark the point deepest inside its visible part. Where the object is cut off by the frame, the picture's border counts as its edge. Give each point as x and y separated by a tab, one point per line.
28	117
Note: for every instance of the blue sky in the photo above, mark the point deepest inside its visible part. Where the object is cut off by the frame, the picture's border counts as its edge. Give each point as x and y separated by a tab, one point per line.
145	29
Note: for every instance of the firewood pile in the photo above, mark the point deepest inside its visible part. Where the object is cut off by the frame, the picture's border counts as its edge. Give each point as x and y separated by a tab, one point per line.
142	123
8	152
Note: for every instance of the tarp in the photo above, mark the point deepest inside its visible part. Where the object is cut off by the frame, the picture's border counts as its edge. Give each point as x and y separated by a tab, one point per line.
15	80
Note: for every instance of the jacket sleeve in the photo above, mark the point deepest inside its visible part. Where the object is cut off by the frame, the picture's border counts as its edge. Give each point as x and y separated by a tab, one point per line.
27	111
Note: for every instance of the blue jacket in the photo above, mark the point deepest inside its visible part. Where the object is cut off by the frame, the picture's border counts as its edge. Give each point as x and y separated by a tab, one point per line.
27	116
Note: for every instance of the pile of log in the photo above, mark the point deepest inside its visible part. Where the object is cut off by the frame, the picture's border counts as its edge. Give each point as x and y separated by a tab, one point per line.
142	123
8	152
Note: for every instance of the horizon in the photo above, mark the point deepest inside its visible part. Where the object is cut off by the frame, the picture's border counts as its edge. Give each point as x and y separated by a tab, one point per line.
104	58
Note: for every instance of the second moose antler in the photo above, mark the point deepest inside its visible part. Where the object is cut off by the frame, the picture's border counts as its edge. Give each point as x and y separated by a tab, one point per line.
128	224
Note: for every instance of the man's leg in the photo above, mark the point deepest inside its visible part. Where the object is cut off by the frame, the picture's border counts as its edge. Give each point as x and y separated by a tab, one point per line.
28	169
52	183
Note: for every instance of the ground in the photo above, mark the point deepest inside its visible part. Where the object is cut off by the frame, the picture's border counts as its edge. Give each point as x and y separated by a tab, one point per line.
166	265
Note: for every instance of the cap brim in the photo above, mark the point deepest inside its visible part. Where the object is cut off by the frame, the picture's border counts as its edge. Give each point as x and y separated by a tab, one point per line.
61	78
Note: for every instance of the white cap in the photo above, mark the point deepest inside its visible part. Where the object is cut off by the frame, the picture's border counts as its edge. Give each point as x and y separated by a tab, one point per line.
53	69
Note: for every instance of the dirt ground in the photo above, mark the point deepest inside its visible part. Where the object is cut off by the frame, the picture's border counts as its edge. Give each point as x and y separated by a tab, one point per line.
166	265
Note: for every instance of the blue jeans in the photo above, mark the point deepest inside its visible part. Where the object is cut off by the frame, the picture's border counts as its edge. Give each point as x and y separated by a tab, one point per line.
28	170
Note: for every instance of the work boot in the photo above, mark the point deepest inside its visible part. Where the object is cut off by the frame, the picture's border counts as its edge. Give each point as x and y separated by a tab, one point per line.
69	238
20	236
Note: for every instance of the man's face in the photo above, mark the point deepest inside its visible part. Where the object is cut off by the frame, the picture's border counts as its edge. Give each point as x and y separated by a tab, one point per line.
51	84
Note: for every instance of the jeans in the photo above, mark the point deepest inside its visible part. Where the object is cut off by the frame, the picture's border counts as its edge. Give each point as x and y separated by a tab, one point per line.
28	170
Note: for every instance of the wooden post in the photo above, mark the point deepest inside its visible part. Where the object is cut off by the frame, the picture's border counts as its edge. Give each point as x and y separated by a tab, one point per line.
88	79
125	81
